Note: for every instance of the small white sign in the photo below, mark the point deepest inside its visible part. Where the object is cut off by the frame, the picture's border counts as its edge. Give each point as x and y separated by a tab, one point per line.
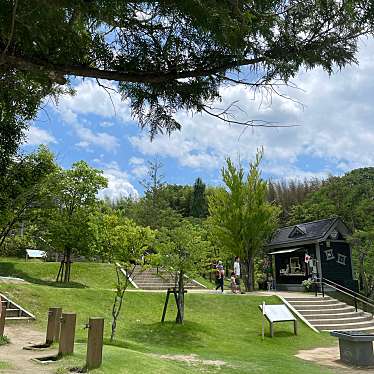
277	313
35	253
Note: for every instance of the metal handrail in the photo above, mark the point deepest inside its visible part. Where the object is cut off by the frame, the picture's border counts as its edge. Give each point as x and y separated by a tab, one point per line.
370	301
323	282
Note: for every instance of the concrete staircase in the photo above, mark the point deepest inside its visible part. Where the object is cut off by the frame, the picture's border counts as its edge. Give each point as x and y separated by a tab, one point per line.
151	279
328	314
14	312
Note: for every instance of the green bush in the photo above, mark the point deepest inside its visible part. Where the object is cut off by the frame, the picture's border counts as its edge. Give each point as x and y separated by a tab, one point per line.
308	284
4	340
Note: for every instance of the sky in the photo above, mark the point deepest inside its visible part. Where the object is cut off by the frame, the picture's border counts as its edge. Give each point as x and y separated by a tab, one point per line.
333	133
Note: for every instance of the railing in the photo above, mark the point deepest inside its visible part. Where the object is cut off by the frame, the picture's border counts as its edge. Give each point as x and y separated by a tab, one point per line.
345	293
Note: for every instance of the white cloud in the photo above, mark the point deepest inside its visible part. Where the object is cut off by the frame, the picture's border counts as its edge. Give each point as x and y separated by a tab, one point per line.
139	168
136	161
334	126
90	98
106	124
118	183
103	140
36	136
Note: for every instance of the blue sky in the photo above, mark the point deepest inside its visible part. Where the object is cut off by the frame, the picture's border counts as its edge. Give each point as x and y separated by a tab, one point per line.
334	132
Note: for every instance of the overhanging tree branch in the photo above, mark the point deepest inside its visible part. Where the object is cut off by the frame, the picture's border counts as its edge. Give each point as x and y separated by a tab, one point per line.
58	70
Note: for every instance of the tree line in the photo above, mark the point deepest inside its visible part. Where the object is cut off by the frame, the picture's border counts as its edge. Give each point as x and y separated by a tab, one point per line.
175	227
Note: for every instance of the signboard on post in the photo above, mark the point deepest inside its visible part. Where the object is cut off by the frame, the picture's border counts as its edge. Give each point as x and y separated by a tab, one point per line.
277	313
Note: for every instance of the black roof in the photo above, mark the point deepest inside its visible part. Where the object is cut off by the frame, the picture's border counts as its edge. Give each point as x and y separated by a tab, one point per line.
308	231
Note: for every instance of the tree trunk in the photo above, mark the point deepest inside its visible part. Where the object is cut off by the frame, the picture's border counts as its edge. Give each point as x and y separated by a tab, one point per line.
116	309
63	275
363	274
118	298
180	315
250	274
67	265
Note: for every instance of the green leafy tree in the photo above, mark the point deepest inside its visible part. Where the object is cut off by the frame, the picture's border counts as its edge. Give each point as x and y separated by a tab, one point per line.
241	214
22	190
363	255
73	196
123	243
350	196
199	204
291	193
183	250
20	98
167	55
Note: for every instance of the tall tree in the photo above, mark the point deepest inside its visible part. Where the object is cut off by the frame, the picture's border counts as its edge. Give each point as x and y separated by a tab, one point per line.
363	255
183	250
241	214
22	188
199	204
291	193
153	209
124	244
73	194
350	196
154	182
168	55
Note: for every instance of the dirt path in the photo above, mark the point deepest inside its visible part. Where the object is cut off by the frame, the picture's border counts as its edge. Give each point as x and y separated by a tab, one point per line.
19	359
330	357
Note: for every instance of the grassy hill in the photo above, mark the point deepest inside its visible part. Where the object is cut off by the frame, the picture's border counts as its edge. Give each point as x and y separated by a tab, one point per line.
218	327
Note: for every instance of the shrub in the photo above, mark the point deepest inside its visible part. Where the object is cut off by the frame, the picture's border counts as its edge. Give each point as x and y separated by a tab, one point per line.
4	340
308	284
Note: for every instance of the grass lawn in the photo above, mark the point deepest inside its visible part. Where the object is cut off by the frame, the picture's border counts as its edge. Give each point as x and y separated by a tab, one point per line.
217	327
83	274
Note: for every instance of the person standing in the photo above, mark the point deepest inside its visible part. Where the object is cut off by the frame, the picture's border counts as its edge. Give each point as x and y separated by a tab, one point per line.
237	272
220	276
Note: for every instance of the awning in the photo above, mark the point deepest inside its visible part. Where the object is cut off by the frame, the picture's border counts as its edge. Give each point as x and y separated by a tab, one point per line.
284	251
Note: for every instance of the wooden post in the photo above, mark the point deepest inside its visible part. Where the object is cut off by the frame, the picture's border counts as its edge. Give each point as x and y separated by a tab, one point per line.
67	334
165	305
95	343
51	326
176	302
2	316
57	325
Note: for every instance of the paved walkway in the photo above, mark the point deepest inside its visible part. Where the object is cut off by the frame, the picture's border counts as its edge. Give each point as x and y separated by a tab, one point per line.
228	292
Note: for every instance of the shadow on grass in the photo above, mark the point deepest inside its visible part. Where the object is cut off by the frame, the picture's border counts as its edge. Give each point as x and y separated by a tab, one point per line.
7	269
145	337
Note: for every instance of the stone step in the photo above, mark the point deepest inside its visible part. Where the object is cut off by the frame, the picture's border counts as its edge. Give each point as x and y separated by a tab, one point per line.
329	314
13	313
23	318
151	279
314	302
317	298
345	326
318	321
335	316
366	329
335	305
308	312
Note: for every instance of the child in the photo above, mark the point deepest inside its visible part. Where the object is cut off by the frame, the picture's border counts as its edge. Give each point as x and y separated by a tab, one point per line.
234	286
